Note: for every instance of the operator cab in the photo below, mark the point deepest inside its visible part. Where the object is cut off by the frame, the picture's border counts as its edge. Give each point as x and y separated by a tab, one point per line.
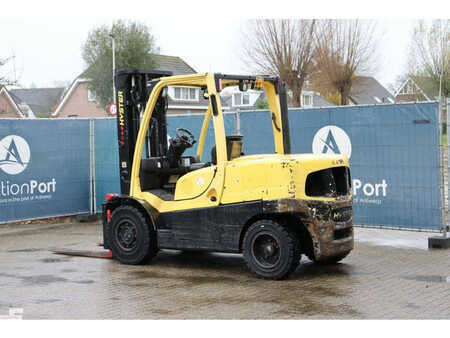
159	174
165	160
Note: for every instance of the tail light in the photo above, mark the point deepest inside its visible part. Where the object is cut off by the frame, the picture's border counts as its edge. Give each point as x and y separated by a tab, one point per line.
108	211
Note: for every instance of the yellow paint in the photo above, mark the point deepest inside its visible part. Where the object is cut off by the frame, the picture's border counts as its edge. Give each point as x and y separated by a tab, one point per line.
268	177
193	184
246	178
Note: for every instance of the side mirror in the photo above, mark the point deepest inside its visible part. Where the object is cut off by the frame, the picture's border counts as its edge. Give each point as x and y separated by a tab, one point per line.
243	85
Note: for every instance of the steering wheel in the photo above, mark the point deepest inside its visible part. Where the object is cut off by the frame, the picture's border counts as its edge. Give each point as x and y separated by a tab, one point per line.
185	136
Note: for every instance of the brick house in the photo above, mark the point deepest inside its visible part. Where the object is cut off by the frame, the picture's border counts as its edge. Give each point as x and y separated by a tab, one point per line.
78	100
28	102
418	88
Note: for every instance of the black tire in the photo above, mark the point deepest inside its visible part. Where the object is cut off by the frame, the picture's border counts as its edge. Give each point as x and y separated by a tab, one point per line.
271	250
332	260
131	238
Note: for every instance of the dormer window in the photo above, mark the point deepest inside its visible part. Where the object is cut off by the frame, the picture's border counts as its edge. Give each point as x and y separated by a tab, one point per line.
307	100
241	99
185	94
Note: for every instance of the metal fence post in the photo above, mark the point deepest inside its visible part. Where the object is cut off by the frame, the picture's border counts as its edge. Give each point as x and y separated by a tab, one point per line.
238	122
442	171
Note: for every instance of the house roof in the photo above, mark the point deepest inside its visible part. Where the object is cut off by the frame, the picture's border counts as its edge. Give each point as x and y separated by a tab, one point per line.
366	90
15	101
40	100
319	101
174	64
429	87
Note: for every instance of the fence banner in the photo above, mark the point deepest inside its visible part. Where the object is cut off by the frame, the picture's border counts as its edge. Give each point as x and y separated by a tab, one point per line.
106	148
106	155
394	156
44	168
393	149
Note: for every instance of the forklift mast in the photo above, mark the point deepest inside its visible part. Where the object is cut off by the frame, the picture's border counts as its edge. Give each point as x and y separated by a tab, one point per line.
133	88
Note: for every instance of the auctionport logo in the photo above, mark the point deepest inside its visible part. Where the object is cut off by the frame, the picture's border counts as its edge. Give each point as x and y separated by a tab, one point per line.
14	158
14	154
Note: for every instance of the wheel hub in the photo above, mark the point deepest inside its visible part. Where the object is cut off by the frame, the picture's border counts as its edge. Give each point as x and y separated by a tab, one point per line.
269	250
126	235
266	250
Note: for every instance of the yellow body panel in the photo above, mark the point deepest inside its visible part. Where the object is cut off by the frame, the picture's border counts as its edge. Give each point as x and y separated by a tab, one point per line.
195	183
268	177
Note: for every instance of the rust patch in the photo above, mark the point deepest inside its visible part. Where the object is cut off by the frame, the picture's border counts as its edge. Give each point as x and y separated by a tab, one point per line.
322	219
291	187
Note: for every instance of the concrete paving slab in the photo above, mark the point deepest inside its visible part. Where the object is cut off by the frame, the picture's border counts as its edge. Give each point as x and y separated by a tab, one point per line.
376	281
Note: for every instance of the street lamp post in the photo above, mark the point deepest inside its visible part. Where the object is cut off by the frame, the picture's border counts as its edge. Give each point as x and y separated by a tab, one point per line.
113	64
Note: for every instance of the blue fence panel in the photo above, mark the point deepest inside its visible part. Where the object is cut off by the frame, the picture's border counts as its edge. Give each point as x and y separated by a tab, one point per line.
44	168
44	164
107	156
395	163
106	160
394	156
256	127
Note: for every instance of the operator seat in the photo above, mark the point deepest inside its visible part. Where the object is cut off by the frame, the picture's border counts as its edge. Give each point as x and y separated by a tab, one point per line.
234	148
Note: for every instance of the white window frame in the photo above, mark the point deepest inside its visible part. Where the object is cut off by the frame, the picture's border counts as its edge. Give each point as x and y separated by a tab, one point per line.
90	96
310	100
189	98
241	103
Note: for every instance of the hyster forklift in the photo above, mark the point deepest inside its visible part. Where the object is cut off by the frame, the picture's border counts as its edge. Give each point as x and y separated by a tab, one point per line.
272	208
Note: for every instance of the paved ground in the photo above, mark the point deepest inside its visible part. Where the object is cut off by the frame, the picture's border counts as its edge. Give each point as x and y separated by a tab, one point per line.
390	274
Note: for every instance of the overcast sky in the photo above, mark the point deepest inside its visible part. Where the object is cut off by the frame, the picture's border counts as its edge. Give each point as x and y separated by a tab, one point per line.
48	48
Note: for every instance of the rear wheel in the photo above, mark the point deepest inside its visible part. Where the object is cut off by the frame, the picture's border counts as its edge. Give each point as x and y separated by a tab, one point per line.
132	239
271	250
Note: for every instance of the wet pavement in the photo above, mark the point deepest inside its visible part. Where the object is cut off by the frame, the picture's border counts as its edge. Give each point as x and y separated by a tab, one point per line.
389	275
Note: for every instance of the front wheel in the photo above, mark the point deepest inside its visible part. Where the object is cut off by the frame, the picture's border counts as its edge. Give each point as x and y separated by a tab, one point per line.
131	239
271	250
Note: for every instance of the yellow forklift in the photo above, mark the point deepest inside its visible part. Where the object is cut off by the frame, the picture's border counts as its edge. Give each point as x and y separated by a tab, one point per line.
272	208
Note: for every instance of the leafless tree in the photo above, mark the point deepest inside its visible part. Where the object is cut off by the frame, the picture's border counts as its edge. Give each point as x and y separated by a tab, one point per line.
345	48
429	53
281	47
6	80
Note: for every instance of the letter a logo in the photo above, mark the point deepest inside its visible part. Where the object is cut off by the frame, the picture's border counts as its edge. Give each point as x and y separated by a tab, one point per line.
14	154
332	140
330	144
